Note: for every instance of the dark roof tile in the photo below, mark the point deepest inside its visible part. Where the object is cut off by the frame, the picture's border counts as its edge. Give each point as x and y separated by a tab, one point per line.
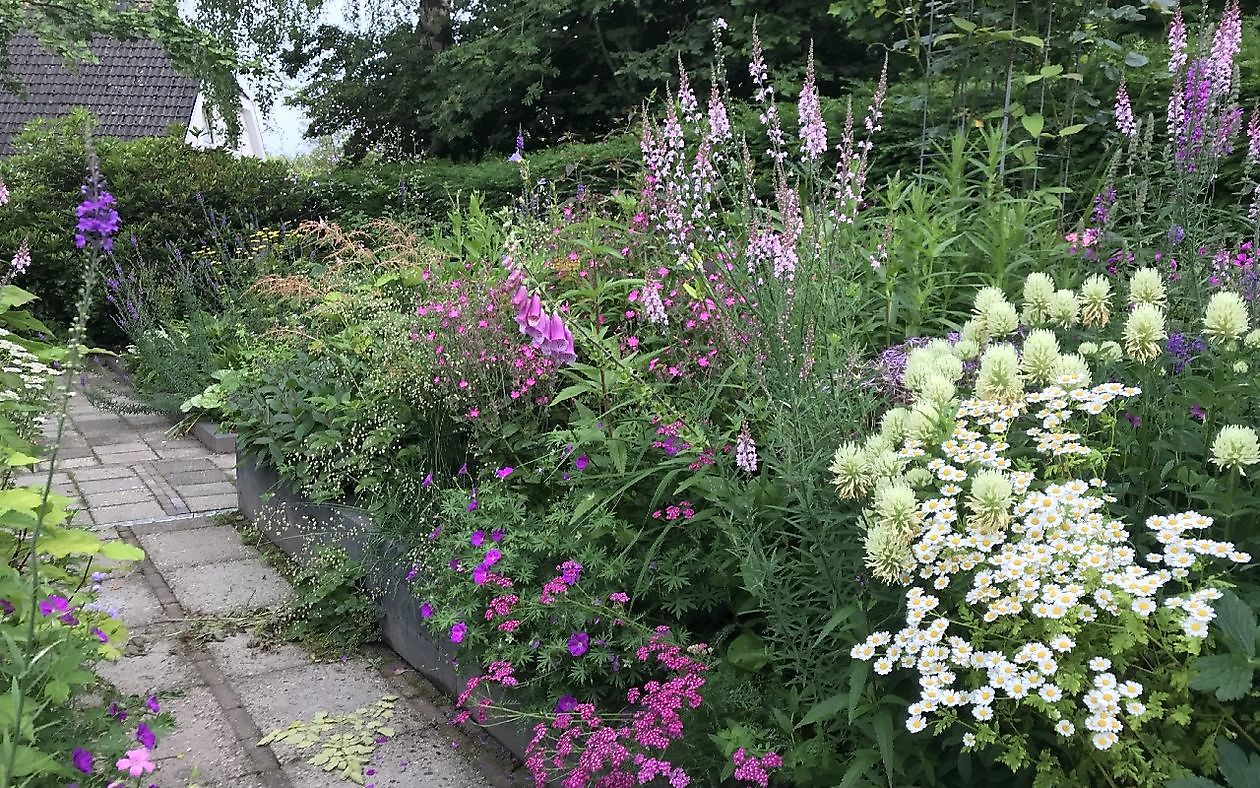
133	90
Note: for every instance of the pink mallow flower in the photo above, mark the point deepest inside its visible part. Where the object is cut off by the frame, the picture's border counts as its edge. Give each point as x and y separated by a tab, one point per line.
136	763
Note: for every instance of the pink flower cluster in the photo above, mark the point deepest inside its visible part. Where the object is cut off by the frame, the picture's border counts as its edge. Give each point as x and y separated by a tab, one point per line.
570	571
595	751
682	510
751	769
496	672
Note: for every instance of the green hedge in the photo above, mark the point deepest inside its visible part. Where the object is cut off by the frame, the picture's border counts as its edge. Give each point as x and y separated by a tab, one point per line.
426	188
165	189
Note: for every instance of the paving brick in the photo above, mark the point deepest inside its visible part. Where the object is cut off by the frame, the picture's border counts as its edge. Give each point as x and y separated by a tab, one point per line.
223	487
210	545
127	512
128	457
180	452
130	482
410	760
209	475
210	503
74	463
202	744
102	472
38	479
118	497
128	447
229	587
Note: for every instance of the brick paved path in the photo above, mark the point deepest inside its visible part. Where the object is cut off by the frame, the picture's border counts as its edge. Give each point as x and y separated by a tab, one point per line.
225	691
128	469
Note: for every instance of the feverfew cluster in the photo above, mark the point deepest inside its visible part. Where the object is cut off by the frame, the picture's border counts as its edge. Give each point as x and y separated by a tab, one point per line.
982	543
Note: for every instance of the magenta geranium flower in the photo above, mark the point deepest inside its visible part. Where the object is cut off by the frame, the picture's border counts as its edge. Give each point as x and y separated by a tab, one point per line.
144	735
152	703
579	643
54	604
82	760
426	610
477	539
458	631
136	763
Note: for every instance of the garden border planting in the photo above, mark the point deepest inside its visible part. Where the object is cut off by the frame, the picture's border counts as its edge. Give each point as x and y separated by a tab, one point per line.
292	522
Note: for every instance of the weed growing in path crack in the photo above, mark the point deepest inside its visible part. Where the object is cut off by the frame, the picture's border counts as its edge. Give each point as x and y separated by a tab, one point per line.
346	741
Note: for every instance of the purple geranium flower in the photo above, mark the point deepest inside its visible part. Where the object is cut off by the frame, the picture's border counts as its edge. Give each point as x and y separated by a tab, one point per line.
477	539
82	760
579	643
504	472
152	703
426	610
566	704
54	604
458	631
581	462
145	736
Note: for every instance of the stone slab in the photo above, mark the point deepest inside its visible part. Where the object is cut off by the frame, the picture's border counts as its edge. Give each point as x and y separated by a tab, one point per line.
107	450
210	545
133	599
127	512
151	665
410	760
228	588
209	503
180	452
239	657
202	745
275	699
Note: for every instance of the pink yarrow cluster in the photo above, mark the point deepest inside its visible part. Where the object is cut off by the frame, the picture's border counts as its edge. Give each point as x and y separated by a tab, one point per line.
751	769
590	750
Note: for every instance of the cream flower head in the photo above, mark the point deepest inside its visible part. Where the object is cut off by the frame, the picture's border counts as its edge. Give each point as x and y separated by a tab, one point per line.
1146	286
999	379
1095	299
1039	356
1225	319
1236	448
1144	332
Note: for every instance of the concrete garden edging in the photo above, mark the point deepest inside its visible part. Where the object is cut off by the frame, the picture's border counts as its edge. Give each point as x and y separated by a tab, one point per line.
297	526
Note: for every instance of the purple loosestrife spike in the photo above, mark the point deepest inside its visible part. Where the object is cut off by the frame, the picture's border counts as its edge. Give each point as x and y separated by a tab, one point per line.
1177	42
746	451
21	259
1253	136
1225	45
4	193
1124	111
813	129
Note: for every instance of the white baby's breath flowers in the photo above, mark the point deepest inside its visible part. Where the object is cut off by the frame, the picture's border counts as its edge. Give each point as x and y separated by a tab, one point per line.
1225	319
1235	448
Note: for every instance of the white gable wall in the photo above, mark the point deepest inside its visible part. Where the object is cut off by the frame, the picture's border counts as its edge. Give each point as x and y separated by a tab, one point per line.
202	133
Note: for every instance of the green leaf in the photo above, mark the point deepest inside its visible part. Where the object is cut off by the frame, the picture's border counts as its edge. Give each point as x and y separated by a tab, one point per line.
71	541
748	651
1136	60
1228	674
30	761
121	551
12	295
825	709
1237	622
1034	40
883	724
1033	124
1237	769
963	24
1075	128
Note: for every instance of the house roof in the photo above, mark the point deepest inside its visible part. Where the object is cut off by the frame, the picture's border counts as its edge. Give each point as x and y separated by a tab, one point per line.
133	90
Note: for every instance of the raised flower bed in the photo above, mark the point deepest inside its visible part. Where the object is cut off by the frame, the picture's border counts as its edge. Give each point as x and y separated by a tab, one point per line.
298	527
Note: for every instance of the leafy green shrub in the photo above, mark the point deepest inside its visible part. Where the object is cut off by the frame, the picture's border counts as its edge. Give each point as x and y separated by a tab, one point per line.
329	613
165	190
